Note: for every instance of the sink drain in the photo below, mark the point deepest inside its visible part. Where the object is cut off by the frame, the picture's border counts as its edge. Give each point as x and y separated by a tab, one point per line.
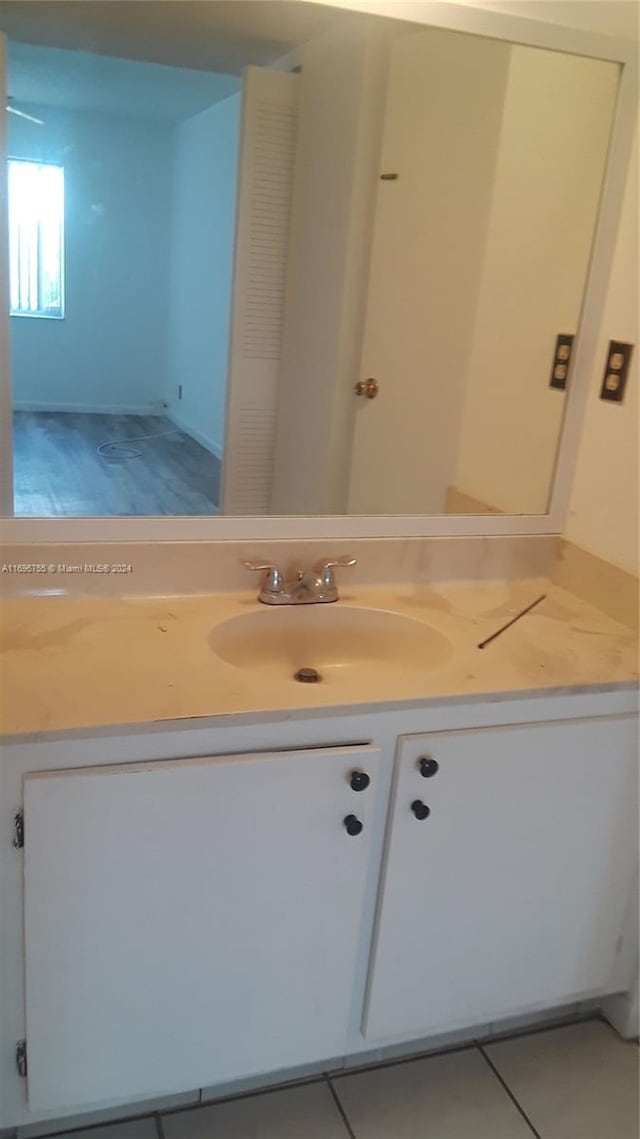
307	676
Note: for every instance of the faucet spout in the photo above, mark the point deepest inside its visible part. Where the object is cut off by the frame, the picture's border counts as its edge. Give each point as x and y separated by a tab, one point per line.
309	589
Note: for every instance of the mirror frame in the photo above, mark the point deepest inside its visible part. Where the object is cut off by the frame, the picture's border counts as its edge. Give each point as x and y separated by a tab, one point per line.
455	17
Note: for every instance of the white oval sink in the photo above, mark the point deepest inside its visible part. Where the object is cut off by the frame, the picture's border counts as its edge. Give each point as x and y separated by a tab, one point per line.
328	638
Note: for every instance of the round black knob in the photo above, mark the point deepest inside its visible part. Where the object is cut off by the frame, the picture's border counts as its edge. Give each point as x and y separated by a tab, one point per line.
352	824
428	766
359	781
420	809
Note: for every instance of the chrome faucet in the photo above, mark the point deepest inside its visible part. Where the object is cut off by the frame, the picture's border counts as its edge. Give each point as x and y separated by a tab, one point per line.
310	587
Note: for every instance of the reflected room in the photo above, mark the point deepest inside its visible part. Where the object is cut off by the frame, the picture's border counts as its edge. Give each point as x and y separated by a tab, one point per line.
292	261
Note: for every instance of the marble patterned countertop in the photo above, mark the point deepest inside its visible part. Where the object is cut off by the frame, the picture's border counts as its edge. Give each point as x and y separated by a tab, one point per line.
71	663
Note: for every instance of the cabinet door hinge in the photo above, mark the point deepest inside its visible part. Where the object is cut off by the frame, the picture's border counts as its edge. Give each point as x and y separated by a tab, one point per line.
18	830
21	1058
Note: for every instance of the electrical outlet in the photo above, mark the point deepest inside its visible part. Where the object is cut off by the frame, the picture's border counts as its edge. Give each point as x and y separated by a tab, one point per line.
615	373
179	391
561	358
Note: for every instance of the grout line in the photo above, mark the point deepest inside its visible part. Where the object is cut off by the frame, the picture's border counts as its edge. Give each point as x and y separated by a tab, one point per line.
336	1099
507	1089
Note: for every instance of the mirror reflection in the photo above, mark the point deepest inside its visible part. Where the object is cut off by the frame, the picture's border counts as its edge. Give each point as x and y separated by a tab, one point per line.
276	258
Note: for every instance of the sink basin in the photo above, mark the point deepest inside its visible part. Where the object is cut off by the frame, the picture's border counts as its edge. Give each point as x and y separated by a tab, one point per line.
329	639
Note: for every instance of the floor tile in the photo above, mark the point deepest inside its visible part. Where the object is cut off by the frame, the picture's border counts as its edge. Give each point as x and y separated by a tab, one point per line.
136	1129
578	1082
307	1112
453	1096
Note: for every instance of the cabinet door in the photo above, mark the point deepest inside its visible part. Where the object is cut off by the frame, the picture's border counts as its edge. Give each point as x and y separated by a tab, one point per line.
190	922
510	894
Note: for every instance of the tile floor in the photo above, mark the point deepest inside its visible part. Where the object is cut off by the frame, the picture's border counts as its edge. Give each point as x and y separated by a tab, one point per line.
579	1081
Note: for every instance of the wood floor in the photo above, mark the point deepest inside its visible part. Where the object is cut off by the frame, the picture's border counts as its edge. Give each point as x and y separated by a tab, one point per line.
59	471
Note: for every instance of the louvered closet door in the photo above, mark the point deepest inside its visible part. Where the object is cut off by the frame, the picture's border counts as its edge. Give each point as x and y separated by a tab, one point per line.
267	155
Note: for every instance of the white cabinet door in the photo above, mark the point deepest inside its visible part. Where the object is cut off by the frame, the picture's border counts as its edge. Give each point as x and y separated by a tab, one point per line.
189	922
510	894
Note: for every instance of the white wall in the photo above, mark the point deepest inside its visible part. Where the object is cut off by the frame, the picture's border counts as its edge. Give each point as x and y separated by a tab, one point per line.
552	152
604	511
204	197
109	352
603	516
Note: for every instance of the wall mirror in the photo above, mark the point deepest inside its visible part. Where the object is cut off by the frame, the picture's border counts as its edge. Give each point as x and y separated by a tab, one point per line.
277	258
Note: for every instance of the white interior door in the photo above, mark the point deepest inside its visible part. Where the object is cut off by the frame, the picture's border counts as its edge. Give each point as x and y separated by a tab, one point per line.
267	155
432	212
511	894
6	433
190	922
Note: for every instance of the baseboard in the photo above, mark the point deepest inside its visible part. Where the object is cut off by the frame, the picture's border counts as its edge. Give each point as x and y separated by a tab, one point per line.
623	1014
203	440
138	1109
155	408
366	1060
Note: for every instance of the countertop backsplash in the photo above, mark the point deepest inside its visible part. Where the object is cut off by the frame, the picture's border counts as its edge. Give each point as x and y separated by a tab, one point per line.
178	568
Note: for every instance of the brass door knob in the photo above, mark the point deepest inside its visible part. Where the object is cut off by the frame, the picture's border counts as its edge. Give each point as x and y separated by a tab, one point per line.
367	388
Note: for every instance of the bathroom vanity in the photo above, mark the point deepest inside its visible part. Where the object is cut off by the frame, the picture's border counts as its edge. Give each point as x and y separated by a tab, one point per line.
306	875
215	876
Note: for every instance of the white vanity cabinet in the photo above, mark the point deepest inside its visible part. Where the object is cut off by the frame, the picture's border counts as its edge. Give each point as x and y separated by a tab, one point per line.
507	873
180	923
191	921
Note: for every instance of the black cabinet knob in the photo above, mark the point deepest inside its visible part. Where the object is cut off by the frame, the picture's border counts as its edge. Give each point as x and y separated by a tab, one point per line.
420	809
428	766
359	780
353	825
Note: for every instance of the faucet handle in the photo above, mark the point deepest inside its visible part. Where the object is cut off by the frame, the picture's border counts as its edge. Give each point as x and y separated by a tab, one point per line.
273	581
259	565
341	562
325	569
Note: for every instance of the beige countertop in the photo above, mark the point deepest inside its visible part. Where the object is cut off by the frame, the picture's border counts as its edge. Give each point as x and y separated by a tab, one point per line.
79	663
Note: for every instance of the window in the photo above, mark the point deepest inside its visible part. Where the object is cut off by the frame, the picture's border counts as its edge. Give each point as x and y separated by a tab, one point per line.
36	238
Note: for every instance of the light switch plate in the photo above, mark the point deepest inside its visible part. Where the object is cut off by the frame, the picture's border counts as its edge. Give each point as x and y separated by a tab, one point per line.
615	371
